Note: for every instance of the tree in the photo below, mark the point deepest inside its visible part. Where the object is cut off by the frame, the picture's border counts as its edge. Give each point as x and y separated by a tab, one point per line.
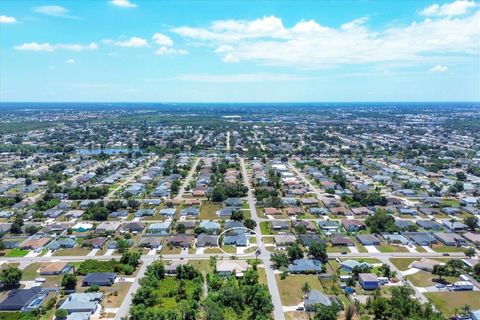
461	176
471	222
280	260
181	228
10	278
306	288
381	221
318	250
440	271
69	281
61	314
250	224
326	312
470	252
218	194
294	252
134	204
237	215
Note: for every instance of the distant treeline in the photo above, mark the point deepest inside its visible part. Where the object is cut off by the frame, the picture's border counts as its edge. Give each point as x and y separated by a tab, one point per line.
17	127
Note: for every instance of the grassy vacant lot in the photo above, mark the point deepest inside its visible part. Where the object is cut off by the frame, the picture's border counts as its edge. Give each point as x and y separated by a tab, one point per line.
201	265
291	287
173	250
426	279
447	302
208	210
113	300
77	251
265	228
440	247
30	272
402	263
391	248
15	253
337	249
296	315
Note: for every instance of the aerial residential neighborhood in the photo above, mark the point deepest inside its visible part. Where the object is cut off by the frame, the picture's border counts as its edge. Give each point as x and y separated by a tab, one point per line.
239	160
320	213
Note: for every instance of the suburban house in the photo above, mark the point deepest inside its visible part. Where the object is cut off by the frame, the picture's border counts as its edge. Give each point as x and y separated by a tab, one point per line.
305	266
167	212
226	211
239	240
171	267
353	225
134	226
180	240
341	241
82	303
449	238
24	299
55	268
108	227
99	279
206	240
34	243
349	265
316	297
233	202
159	227
308	239
368	281
421	238
368	239
472	237
229	267
429	225
210	226
425	264
328	226
95	243
190	211
283	240
278	225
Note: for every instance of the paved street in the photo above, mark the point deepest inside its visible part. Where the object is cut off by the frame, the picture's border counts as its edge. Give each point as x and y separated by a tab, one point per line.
265	254
187	179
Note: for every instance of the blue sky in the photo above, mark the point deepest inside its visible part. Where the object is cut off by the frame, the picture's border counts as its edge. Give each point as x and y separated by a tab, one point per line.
239	51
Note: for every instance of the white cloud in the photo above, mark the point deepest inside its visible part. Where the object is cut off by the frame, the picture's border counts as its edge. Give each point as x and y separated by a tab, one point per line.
123	4
162	40
309	45
239	78
70	61
133	42
456	8
47	47
163	51
439	69
7	19
55	11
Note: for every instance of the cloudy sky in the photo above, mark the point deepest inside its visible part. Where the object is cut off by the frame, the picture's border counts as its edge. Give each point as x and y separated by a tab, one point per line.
239	51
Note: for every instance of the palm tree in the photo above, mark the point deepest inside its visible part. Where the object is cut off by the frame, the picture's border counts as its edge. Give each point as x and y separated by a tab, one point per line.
452	221
306	288
465	311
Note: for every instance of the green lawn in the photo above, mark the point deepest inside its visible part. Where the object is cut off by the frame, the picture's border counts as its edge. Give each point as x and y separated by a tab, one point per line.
440	247
208	210
16	252
387	248
77	251
291	288
30	272
447	302
426	279
402	263
265	228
